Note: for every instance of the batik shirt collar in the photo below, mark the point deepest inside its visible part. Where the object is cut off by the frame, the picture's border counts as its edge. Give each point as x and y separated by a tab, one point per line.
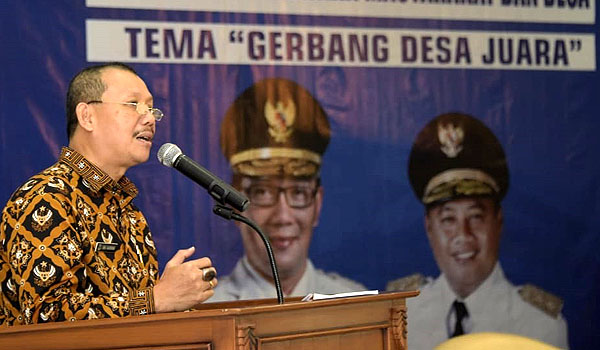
93	175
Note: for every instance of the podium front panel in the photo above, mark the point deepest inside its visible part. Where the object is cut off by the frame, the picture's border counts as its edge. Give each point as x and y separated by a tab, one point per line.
366	322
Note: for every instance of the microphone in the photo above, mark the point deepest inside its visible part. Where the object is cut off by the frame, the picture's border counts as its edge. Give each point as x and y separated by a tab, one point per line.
170	155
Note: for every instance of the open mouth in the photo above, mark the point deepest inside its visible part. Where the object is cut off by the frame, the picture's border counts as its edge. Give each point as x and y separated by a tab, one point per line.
281	242
145	137
465	256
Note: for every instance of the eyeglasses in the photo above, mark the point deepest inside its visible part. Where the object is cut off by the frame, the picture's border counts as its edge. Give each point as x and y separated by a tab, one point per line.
296	196
140	107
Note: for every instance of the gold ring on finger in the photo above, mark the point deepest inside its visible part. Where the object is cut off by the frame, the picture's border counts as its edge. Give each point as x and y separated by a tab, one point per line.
208	273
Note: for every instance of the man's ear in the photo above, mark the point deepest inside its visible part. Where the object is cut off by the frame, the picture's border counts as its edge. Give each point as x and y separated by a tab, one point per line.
318	205
86	117
427	223
500	218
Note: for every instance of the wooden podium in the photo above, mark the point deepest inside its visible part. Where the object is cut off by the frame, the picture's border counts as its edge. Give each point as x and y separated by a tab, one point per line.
363	322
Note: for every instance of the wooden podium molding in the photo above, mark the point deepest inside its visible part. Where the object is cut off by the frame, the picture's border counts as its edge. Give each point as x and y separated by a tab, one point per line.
365	322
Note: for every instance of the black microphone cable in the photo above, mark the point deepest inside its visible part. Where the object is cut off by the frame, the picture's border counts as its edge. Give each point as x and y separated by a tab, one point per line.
229	213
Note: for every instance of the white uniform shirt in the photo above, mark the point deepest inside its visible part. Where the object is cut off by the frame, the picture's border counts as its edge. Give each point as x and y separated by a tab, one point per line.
246	283
495	306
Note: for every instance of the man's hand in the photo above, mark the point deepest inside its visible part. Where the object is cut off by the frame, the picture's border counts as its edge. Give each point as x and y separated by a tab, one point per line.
181	285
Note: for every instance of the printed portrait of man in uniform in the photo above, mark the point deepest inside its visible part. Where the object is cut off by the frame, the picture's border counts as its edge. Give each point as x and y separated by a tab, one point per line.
274	136
458	171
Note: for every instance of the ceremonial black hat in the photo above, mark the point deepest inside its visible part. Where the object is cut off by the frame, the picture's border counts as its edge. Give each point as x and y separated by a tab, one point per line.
275	127
456	155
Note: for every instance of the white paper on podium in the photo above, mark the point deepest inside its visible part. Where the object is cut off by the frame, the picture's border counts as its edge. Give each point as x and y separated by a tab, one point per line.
318	296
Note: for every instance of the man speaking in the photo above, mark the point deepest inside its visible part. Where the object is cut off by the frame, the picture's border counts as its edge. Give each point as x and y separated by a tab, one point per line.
73	244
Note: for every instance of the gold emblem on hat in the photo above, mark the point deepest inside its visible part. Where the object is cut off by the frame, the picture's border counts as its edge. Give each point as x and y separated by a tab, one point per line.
280	118
451	138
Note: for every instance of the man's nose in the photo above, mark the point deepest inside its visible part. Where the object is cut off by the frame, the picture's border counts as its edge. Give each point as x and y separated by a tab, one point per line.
148	119
463	229
282	208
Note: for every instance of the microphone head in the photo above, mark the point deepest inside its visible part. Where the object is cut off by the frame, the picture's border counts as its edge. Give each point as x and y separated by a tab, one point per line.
168	154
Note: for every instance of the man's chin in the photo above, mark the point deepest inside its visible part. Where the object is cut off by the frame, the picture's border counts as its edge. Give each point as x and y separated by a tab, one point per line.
462	273
282	260
286	264
466	276
141	158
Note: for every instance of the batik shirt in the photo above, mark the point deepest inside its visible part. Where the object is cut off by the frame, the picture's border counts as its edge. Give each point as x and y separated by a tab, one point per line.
74	246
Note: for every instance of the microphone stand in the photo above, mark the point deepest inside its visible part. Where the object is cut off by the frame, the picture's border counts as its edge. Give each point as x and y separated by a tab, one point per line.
228	213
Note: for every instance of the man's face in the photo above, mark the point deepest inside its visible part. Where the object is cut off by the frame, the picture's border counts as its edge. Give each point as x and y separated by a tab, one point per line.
125	135
288	229
464	235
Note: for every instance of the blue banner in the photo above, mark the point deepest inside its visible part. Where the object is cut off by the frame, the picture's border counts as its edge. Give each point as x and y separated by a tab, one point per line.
381	71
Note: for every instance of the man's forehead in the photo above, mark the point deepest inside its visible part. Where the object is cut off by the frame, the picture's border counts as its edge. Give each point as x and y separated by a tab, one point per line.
124	83
277	180
466	203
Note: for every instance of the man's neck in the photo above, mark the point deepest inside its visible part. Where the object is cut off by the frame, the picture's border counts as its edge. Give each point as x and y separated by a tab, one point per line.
88	152
288	279
463	291
289	282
